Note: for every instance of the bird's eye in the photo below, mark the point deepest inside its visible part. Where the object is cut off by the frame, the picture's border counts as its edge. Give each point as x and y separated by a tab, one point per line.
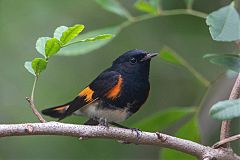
133	60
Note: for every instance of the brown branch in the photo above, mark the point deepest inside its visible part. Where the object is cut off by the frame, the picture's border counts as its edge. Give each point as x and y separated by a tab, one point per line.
146	138
31	102
235	93
227	140
34	109
225	128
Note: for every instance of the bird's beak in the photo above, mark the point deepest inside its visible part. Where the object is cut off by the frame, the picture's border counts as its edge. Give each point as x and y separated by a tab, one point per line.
149	56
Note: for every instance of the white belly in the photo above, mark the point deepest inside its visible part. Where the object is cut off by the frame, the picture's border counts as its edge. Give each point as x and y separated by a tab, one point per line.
111	115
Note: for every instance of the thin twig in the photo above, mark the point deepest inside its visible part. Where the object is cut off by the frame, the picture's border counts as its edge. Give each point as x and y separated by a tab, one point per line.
225	128
31	102
235	93
227	140
126	135
35	111
184	11
162	13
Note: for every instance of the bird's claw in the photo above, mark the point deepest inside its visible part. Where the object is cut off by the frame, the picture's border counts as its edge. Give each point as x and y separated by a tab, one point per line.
138	132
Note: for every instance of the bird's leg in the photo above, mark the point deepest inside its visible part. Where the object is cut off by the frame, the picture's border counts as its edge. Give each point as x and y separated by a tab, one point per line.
138	131
103	122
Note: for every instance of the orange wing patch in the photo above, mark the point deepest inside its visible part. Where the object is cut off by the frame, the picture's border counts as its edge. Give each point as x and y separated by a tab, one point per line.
61	108
114	92
88	93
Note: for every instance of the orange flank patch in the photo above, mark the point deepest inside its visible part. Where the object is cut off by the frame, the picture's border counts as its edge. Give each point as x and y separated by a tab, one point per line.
114	92
60	108
88	93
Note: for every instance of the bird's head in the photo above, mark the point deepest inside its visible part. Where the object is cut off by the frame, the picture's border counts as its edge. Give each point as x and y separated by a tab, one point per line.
134	61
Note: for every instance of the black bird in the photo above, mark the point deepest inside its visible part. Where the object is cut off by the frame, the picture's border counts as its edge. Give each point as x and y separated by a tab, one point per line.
116	94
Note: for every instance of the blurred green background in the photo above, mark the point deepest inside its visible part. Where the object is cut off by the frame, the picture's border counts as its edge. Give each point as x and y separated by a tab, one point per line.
23	21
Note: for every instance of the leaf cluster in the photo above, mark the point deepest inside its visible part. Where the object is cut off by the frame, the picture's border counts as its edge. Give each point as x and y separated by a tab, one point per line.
49	46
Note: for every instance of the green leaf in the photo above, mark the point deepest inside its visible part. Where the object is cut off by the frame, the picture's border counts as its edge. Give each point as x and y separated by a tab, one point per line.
99	37
225	110
189	131
170	57
40	45
71	33
231	61
52	47
39	65
163	119
147	6
59	31
224	24
28	66
83	48
115	7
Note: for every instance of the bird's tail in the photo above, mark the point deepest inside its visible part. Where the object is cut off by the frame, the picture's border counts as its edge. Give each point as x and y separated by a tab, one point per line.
56	112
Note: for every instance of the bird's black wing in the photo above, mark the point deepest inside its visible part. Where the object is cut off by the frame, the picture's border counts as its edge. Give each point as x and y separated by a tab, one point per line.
107	85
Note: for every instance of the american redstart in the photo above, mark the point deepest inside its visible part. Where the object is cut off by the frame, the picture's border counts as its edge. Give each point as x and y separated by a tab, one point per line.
114	95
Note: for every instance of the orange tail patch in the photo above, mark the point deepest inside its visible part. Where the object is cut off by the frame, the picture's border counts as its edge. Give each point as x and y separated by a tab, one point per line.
56	112
60	108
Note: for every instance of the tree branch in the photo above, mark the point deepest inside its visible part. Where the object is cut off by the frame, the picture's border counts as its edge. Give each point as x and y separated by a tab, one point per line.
127	135
34	109
227	140
225	128
31	102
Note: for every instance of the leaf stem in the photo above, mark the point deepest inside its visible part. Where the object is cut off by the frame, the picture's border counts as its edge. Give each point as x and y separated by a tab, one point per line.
107	36
172	13
183	11
33	88
145	17
163	13
71	43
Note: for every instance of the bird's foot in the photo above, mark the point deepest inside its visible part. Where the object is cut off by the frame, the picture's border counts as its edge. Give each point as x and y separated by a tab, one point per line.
138	132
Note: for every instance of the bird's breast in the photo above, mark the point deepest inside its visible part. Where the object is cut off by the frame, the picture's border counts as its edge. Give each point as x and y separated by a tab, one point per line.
110	113
136	90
